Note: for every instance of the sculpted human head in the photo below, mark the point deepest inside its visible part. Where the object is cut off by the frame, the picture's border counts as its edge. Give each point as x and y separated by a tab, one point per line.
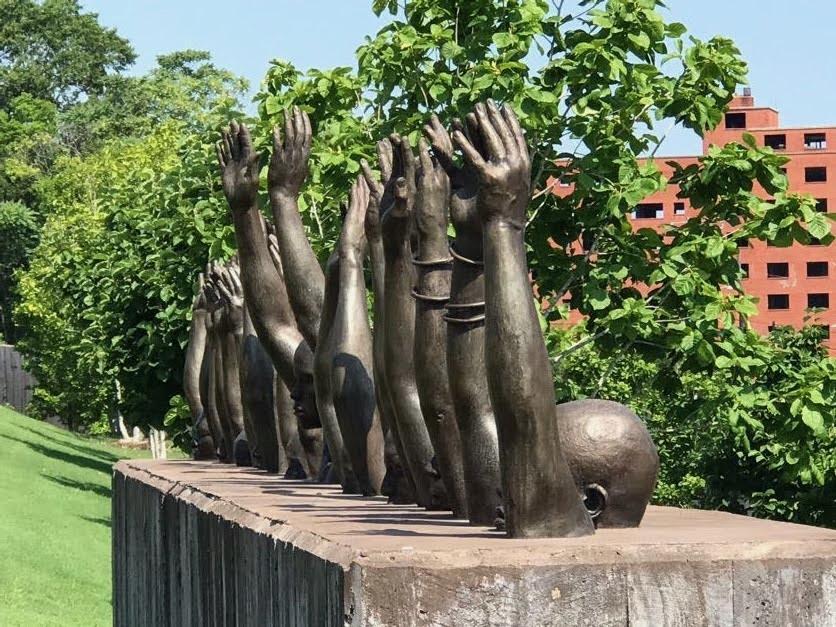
303	394
612	458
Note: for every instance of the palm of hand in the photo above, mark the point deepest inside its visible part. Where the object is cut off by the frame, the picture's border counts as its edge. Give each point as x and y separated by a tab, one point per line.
239	165
434	188
504	191
240	184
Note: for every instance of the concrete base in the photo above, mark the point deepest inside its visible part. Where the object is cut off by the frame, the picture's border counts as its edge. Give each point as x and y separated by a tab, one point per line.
199	543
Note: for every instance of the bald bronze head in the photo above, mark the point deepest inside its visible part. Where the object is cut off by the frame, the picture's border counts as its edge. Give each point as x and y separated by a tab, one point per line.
612	458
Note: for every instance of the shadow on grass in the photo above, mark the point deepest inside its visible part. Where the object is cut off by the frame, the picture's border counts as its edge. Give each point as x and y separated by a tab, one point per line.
83	461
85	486
99	521
65	439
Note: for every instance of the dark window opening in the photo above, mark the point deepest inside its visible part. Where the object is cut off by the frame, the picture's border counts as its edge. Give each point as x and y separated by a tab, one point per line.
817	268
735	120
815	141
745	268
679	208
587	239
777	270
821	205
743	242
825	328
816	174
776	142
818	301
778	301
649	210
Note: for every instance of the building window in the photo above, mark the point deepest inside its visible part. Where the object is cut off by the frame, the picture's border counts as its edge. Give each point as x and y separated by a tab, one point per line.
743	242
679	208
825	328
817	269
776	142
587	239
818	301
777	270
778	301
745	268
735	120
821	205
816	174
815	141
649	211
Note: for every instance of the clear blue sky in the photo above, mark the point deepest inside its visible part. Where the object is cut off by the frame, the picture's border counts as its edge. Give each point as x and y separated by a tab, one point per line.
788	44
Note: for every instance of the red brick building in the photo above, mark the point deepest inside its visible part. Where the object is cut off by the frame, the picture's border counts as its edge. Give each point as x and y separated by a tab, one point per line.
791	281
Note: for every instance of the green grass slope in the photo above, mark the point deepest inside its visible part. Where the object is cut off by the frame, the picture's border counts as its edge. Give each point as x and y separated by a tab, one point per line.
54	524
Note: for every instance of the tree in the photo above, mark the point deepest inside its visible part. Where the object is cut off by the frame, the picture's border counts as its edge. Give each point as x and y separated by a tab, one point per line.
54	52
108	293
18	231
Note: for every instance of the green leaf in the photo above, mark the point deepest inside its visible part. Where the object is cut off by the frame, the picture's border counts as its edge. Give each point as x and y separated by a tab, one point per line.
813	419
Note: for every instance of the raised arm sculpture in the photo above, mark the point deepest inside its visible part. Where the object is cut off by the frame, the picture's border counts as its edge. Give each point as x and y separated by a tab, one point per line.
352	377
433	265
203	445
539	493
256	384
230	338
264	290
303	275
398	484
465	318
399	331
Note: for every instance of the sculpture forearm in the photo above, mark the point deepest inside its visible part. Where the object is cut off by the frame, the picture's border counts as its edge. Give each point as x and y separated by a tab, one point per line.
522	395
303	274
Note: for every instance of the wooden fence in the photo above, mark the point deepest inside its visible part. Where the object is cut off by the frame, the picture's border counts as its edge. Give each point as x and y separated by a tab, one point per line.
15	383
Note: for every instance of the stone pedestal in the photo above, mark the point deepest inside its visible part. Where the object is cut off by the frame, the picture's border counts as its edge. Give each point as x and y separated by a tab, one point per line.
205	544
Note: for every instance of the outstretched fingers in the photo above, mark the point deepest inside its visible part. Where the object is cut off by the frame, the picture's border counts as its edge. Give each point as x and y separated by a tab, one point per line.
441	143
516	130
493	143
408	159
500	124
359	200
384	157
375	188
471	155
424	158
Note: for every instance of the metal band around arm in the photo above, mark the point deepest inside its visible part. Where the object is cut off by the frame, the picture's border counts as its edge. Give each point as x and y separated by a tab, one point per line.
470	262
432	262
479	318
430	299
479	303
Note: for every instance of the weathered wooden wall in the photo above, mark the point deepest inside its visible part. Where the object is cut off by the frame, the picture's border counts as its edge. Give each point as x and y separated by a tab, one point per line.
199	561
15	383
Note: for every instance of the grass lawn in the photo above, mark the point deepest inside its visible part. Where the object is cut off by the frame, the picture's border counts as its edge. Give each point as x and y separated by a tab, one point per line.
54	524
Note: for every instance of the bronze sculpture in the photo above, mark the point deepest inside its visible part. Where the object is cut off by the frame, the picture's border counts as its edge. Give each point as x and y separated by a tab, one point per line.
450	324
399	324
203	442
264	291
303	276
352	369
398	484
433	265
539	494
465	319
